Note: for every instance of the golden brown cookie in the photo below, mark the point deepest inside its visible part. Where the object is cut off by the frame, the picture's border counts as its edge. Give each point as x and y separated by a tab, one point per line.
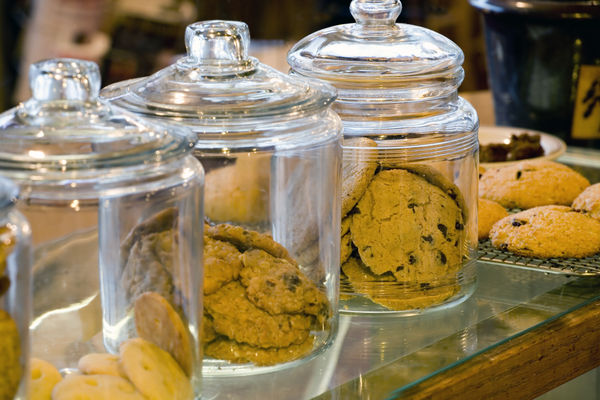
239	319
158	322
240	192
225	349
532	183
278	287
10	351
345	247
96	387
345	225
358	168
488	213
43	377
222	264
153	371
208	330
547	231
405	225
245	240
588	201
101	364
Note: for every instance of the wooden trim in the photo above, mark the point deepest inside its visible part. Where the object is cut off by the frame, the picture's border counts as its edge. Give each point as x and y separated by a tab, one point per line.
526	366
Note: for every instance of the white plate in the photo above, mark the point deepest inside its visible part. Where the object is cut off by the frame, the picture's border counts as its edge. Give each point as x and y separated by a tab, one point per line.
552	145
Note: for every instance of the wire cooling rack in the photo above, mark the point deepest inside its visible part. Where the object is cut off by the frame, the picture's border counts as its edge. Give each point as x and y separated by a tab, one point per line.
588	266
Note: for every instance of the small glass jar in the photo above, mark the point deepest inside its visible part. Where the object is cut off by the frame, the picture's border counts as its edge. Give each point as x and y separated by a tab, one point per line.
410	160
15	295
115	206
270	146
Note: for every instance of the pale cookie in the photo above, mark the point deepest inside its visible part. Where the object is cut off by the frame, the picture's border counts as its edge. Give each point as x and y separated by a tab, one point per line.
532	183
240	192
245	240
278	287
225	349
588	201
405	225
546	232
96	387
101	364
239	319
222	264
43	377
358	168
488	213
10	351
345	248
157	322
153	371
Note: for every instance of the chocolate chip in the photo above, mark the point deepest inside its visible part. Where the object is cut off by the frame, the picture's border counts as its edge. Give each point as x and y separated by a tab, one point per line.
503	247
412	259
458	226
443	229
452	194
516	222
270	284
428	238
412	207
442	257
400	268
519	173
425	285
292	281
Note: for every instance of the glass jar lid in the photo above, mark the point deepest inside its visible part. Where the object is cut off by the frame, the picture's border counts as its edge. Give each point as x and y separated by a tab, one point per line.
64	127
376	48
217	80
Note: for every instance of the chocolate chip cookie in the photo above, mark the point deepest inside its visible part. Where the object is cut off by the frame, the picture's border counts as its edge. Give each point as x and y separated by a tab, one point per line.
588	201
358	169
547	232
488	213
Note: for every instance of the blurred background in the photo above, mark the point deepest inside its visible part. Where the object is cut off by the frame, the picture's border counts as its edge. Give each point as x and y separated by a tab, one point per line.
131	38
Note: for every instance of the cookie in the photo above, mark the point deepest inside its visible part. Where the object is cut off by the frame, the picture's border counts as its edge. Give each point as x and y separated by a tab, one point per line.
244	240
208	330
95	387
222	264
405	225
161	221
101	364
345	225
488	213
239	319
238	193
547	232
150	266
345	247
10	351
153	372
233	351
532	183
588	201
382	290
157	322
358	168
43	377
278	287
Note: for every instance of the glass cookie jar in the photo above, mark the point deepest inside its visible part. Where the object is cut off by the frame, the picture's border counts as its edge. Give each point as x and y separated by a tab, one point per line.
115	206
15	295
410	158
270	146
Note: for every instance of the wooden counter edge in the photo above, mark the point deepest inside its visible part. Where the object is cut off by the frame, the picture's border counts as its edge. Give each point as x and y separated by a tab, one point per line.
526	366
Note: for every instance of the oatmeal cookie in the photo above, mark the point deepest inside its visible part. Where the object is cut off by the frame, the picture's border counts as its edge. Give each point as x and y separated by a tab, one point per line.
10	351
208	330
488	213
161	221
588	201
239	319
357	171
244	240
222	264
278	287
546	232
231	350
532	183
345	247
405	225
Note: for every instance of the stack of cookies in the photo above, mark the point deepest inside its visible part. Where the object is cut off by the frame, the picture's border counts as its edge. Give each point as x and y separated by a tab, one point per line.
403	231
560	210
10	347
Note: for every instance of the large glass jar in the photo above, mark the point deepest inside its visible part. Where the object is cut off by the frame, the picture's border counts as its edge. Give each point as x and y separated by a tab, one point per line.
270	146
15	295
410	160
115	206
